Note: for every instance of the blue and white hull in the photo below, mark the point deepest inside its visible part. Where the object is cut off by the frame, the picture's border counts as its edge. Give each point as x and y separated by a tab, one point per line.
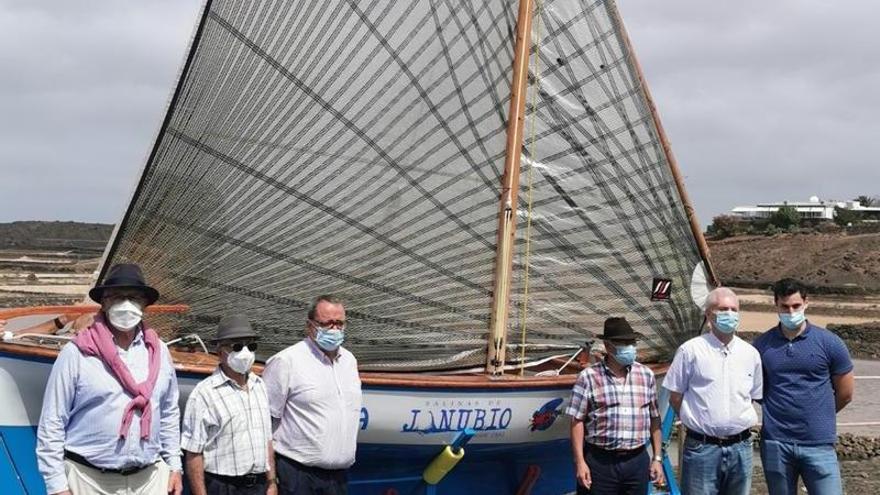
521	439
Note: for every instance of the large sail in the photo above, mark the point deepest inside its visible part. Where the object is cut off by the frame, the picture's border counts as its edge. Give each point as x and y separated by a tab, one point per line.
356	147
606	228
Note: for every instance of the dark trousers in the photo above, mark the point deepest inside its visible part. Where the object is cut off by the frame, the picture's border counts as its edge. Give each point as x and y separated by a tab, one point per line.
616	474
298	479
222	485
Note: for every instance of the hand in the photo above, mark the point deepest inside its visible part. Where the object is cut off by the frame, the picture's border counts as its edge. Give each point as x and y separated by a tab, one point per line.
657	473
582	473
175	484
272	489
2	325
83	321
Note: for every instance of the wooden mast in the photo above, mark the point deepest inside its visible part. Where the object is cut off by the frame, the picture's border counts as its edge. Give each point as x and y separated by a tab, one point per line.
509	192
667	148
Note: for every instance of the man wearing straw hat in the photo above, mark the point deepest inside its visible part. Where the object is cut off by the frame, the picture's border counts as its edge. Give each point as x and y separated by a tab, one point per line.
614	415
227	431
110	419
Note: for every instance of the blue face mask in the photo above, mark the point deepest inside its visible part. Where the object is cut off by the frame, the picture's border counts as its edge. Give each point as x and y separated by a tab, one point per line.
726	321
625	354
329	340
792	321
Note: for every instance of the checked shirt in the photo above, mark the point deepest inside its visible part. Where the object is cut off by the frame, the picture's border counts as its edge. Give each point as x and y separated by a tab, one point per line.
229	425
616	412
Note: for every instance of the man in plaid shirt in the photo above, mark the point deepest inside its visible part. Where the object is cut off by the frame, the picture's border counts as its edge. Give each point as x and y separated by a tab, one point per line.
227	430
613	413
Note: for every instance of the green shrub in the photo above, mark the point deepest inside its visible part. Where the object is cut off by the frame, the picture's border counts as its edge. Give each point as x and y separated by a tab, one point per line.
785	217
845	216
724	226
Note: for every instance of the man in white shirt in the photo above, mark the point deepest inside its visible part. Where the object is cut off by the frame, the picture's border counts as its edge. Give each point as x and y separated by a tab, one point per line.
315	402
227	433
713	381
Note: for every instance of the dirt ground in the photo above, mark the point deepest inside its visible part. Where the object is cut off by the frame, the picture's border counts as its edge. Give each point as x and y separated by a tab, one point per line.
831	262
860	477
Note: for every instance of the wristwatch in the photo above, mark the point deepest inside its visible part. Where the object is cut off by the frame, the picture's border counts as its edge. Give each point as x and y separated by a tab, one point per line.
658	458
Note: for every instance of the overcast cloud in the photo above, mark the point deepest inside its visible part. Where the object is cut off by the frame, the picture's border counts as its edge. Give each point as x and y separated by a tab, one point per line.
762	100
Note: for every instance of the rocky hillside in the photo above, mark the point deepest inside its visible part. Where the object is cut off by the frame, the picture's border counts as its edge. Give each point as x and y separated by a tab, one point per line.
90	237
828	262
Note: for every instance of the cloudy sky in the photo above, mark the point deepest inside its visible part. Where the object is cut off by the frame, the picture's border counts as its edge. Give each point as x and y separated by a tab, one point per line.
762	100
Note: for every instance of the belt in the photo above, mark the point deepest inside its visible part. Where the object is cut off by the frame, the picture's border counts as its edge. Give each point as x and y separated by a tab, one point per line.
615	452
73	456
720	441
313	469
245	480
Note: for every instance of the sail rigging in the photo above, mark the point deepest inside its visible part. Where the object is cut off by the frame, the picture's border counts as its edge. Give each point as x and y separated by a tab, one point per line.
607	218
358	148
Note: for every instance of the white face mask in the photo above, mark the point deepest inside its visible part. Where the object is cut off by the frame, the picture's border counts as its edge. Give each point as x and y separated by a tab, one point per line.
125	315
241	361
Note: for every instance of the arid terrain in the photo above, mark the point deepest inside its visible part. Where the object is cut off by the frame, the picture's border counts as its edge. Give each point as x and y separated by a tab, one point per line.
831	263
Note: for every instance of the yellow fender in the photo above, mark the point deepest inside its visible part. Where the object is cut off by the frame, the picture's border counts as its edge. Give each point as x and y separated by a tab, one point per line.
441	465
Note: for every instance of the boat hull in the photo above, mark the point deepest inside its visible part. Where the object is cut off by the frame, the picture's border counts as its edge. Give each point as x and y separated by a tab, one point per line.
520	434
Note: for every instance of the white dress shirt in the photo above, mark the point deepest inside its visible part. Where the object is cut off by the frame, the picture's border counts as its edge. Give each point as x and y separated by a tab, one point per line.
718	384
317	402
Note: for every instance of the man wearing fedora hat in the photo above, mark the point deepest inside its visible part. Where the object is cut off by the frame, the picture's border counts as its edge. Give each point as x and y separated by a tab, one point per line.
227	430
614	414
110	419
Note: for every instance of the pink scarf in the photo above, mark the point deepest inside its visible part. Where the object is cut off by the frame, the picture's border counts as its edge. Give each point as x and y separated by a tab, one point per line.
97	340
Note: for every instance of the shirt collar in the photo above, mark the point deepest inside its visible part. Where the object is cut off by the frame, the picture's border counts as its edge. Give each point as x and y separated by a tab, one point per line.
610	373
715	342
321	355
138	337
807	329
803	335
219	378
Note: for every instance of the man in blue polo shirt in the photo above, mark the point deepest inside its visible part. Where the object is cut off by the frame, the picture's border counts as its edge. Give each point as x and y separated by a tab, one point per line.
808	378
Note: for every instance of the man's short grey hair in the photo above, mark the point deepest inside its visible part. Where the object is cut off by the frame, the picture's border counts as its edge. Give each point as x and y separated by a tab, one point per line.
329	298
716	295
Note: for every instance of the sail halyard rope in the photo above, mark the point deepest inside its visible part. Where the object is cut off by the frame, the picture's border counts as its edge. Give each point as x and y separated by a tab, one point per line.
529	188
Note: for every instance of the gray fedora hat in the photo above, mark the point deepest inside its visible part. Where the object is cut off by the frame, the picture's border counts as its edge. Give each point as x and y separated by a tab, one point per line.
234	326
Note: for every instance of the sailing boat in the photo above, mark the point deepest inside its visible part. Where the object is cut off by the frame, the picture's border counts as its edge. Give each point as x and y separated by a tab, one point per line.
484	184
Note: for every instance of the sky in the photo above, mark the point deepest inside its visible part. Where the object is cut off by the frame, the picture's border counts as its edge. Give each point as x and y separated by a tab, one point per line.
762	101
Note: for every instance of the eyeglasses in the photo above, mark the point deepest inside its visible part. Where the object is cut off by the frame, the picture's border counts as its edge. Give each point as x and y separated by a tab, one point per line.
238	346
338	324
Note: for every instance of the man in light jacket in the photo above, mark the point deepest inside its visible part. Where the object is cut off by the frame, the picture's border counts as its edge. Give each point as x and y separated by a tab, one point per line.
110	421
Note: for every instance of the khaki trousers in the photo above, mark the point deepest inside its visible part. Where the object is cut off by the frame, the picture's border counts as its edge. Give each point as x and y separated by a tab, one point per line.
84	480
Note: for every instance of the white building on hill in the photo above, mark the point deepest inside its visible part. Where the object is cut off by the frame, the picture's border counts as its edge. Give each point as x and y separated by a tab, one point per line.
815	208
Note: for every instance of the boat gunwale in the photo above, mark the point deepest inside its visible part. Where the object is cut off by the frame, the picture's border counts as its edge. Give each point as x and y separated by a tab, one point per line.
202	364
